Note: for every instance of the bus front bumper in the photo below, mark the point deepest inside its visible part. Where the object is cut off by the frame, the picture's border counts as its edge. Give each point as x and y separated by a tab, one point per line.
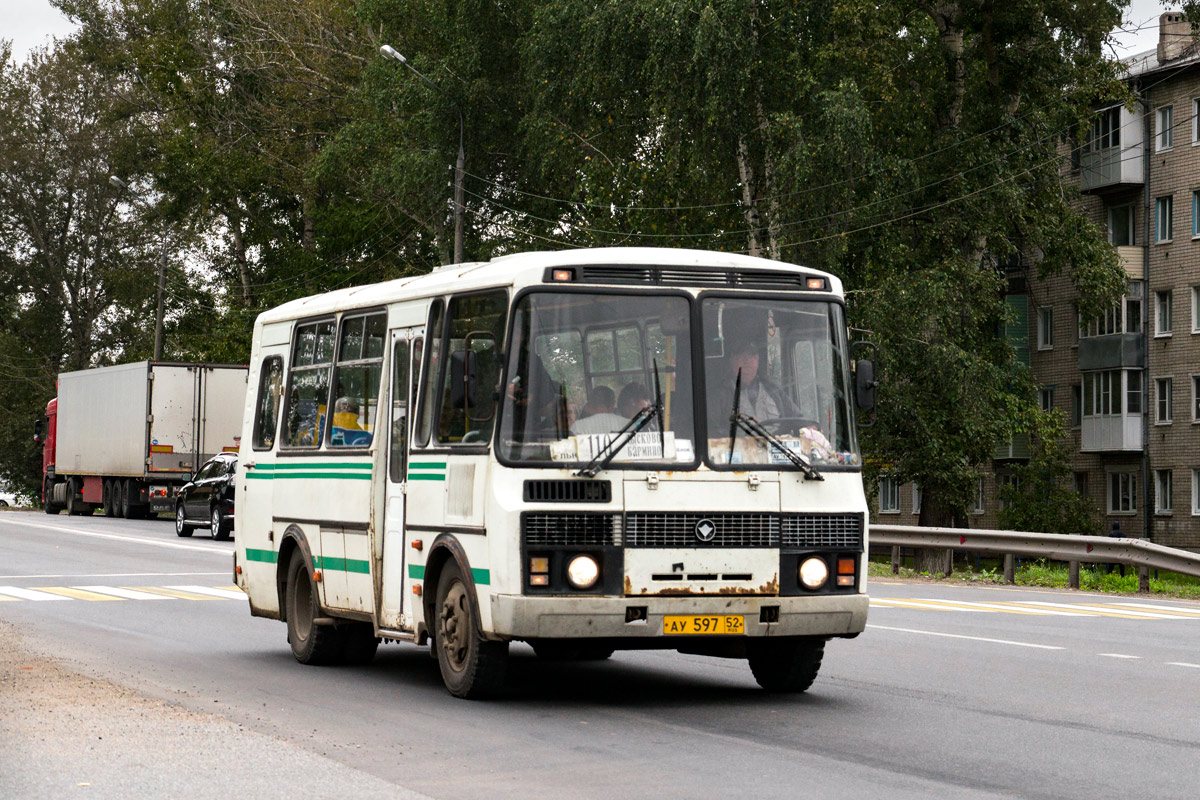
519	617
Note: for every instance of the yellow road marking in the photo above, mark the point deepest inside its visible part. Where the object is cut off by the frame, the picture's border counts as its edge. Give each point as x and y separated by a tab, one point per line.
78	594
170	592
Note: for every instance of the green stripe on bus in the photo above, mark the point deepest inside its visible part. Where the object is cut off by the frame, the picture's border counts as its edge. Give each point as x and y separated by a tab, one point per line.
482	577
339	476
427	465
426	476
342	564
325	465
265	556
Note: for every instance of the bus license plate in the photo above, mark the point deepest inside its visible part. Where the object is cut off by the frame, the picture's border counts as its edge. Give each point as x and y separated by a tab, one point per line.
694	624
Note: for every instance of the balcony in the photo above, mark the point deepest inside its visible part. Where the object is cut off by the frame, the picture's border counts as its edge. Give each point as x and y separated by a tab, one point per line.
1133	261
1112	433
1113	157
1114	351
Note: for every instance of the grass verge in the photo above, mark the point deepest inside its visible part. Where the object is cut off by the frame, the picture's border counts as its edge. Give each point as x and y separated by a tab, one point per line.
1050	574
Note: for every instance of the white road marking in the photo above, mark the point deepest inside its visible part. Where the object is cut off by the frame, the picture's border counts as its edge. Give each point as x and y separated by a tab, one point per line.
1193	612
1118	655
1182	664
213	591
128	594
1102	609
1019	609
113	536
29	594
116	575
971	638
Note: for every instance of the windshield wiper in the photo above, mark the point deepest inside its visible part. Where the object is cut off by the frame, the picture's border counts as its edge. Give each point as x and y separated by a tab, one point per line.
617	443
734	414
753	427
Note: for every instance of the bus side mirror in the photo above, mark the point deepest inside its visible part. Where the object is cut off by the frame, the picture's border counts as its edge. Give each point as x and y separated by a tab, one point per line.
864	384
37	431
464	380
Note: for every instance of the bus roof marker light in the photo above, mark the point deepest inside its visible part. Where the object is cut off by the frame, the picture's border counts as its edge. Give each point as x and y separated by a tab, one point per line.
563	275
815	284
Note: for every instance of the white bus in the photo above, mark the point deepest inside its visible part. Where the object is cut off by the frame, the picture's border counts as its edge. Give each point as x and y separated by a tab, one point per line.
585	451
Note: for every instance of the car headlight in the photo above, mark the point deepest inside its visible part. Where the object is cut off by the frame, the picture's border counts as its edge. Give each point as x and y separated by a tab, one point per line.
583	572
813	572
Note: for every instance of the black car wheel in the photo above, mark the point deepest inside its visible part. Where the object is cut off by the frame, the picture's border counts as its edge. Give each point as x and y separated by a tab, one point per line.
181	526
220	526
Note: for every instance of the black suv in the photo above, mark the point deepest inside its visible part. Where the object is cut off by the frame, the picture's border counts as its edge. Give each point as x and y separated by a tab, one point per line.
207	500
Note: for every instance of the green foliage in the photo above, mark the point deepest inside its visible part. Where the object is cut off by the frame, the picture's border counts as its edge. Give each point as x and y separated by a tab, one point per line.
1043	498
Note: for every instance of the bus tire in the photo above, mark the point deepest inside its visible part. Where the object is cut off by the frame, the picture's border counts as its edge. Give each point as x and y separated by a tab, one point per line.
107	495
471	667
311	643
786	665
358	643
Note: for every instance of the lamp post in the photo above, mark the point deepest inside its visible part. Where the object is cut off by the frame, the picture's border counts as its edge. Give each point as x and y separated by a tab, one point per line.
459	165
162	264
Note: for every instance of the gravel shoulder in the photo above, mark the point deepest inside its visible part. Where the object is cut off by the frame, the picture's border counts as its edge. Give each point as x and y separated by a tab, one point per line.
67	735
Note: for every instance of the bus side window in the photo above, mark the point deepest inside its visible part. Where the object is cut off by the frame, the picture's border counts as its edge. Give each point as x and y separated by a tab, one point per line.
356	380
476	328
429	374
270	390
308	398
400	405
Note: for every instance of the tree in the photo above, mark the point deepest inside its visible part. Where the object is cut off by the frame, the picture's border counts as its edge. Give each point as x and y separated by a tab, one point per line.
77	268
1042	497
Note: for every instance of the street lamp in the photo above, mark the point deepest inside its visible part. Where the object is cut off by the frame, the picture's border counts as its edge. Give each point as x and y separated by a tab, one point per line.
162	264
459	165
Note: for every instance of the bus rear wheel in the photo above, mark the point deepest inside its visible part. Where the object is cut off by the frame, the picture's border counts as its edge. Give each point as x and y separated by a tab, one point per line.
471	666
311	643
786	665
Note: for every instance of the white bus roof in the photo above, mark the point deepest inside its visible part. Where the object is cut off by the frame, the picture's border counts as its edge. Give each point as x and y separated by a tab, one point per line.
520	270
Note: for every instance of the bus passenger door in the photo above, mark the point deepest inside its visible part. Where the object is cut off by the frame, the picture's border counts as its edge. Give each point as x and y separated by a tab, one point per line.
406	352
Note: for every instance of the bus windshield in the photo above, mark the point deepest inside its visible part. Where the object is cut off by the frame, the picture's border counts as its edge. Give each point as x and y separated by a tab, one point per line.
782	363
582	365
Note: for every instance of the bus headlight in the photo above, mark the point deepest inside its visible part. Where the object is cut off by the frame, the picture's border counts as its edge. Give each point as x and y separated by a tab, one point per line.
813	572
583	572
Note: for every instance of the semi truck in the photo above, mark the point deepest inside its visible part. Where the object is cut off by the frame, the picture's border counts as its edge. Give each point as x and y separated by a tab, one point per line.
125	438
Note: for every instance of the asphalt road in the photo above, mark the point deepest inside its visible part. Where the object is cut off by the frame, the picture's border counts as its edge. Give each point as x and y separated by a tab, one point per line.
144	678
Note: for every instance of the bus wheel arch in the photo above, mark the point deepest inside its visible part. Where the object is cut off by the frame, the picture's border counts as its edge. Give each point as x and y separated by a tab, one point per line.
292	540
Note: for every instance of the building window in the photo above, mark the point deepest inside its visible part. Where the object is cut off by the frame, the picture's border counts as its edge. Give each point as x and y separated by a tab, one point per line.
1045	329
1162	491
1106	130
1120	226
1196	309
889	495
1081	484
1076	406
1165	136
1103	391
1196	120
1046	398
1162	313
1196	398
1122	492
978	504
1195	216
1125	317
916	498
1162	219
1195	492
1162	400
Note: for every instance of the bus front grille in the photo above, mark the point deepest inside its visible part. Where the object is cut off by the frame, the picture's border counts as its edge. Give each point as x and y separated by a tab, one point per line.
821	531
540	529
643	529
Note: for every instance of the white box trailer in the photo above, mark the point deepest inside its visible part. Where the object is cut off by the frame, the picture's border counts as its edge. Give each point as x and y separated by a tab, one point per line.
126	437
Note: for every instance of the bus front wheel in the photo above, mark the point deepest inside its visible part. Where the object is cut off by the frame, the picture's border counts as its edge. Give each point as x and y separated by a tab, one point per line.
786	665
471	667
312	643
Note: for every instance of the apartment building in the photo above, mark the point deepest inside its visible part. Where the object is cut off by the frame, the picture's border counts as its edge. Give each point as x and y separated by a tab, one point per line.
1128	382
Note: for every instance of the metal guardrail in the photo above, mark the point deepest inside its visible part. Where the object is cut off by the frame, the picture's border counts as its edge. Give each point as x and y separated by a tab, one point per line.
1059	547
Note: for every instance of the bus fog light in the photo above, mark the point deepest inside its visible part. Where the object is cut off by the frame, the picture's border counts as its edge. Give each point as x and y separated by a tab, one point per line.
583	572
539	580
813	572
845	580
